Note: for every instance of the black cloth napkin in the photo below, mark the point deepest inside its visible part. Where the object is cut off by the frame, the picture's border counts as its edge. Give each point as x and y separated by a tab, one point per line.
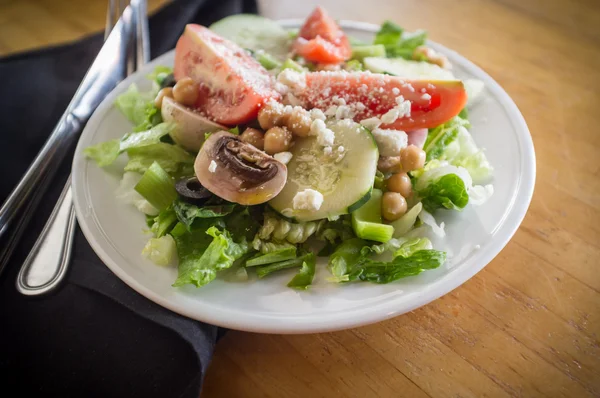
95	337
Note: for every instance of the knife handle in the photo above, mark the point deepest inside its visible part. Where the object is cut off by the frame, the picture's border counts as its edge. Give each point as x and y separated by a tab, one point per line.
46	264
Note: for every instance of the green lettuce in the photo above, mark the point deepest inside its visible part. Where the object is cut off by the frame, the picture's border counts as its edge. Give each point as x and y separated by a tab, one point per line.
173	159
104	153
160	250
159	74
400	267
449	191
189	214
275	256
264	270
440	137
163	222
453	143
139	108
399	44
203	253
303	279
351	261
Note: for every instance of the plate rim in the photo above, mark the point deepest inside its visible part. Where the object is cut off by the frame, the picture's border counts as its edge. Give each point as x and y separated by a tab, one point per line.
349	318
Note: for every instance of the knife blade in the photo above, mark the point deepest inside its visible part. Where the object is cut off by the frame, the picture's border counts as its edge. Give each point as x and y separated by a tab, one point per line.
107	70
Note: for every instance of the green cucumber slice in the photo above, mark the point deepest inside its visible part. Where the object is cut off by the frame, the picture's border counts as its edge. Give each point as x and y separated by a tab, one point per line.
408	69
255	33
345	182
367	221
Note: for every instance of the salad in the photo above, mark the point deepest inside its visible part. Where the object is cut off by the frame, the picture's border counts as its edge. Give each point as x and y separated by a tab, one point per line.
263	149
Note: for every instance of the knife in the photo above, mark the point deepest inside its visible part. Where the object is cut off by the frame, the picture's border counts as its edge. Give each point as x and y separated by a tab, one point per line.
107	70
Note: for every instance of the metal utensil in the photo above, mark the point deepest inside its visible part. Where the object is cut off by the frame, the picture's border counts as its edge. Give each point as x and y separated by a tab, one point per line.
46	265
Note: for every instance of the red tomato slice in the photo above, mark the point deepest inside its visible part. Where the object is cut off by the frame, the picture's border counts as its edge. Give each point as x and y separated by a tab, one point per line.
233	85
433	102
321	40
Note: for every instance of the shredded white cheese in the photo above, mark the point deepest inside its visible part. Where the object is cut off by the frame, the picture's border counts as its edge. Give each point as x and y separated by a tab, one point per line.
309	199
293	79
212	167
399	111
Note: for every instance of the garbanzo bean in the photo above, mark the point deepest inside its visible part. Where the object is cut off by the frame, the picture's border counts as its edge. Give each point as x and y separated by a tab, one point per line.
186	91
165	92
273	114
400	183
393	206
299	121
412	158
253	137
277	139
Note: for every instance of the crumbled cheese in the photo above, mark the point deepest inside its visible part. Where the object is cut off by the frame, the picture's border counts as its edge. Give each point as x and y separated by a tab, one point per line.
390	142
399	111
317	114
426	97
395	91
423	90
212	167
293	79
371	123
331	111
341	149
327	150
291	99
309	199
324	135
283	157
344	112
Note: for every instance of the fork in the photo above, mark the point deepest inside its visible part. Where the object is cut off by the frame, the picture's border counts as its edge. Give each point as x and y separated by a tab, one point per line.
46	265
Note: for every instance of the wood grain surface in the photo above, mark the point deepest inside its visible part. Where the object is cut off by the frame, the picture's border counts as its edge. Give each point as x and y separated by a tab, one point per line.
528	325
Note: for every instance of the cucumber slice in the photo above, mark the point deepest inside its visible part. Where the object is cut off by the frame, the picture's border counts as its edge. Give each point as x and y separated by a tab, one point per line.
407	69
255	33
367	222
422	70
343	178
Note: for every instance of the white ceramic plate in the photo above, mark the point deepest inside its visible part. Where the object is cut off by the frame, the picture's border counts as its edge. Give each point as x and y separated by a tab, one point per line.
474	236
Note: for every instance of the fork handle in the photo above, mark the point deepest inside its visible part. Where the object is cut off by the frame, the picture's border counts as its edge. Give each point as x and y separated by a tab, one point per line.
46	265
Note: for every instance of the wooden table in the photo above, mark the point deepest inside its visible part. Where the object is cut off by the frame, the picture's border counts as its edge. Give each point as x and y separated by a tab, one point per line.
528	325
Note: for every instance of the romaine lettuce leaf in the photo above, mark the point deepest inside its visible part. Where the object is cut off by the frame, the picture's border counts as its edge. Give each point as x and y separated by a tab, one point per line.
159	74
440	137
400	267
104	153
303	279
200	257
412	246
344	258
448	192
188	213
160	250
389	34
173	159
164	222
397	42
139	108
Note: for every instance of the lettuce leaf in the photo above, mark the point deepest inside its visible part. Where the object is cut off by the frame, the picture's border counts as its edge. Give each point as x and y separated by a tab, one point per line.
400	267
139	108
173	159
440	137
303	279
352	261
389	34
159	74
188	213
448	192
160	250
200	257
104	153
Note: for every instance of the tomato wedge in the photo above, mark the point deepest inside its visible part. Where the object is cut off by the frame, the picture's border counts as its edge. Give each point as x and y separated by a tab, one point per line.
233	85
321	40
433	102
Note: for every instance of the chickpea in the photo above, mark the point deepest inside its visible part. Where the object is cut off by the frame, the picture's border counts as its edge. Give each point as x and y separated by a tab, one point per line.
277	139
393	206
253	137
273	114
389	164
412	158
186	91
400	183
299	122
165	92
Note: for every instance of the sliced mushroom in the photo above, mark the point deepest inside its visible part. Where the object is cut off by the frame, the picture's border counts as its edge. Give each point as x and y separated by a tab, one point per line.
190	125
238	172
